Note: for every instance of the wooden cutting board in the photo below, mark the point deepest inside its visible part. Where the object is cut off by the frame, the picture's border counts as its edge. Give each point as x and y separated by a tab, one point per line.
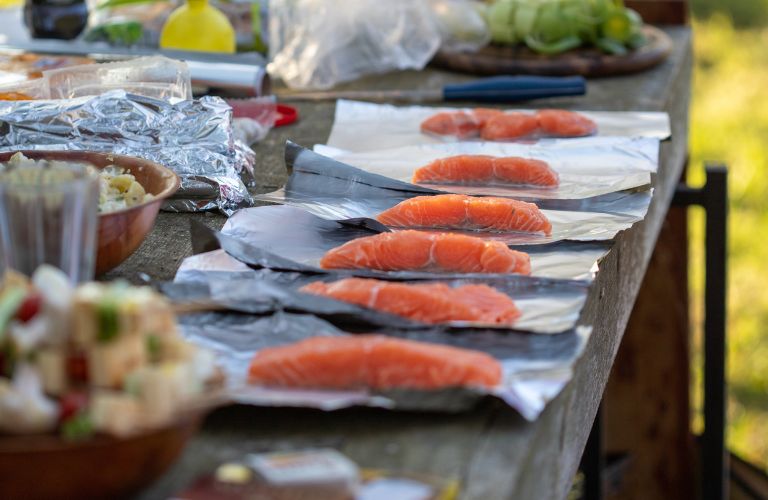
506	60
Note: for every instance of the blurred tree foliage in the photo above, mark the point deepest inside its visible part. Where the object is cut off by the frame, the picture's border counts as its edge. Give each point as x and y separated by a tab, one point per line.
743	13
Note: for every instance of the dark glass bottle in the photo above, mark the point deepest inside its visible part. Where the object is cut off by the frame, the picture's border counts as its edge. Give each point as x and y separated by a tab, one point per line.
62	19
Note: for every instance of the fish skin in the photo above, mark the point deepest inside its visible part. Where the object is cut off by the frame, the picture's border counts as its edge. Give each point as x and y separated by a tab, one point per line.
424	251
431	303
484	170
457	211
372	361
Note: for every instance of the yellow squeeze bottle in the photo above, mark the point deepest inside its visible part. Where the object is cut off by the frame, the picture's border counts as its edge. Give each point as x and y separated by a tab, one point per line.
200	27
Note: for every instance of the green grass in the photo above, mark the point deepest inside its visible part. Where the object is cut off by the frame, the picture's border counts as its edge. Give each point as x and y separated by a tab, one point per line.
729	122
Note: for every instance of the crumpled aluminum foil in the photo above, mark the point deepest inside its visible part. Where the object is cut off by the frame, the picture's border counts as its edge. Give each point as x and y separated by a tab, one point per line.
194	138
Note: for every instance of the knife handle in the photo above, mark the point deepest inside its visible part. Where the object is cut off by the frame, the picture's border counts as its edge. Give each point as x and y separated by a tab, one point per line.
515	88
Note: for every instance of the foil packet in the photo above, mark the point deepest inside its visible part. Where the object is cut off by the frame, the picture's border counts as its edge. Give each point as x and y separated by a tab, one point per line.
548	305
194	138
535	367
586	167
332	190
300	239
363	126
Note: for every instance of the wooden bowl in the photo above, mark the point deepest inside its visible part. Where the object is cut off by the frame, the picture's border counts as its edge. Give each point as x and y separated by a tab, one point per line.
121	232
46	467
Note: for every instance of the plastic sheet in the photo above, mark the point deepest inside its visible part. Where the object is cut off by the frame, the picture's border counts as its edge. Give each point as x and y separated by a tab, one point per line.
536	367
363	126
319	43
586	167
193	138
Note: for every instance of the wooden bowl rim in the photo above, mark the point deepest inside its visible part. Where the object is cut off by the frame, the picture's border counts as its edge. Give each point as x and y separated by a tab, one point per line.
173	184
16	444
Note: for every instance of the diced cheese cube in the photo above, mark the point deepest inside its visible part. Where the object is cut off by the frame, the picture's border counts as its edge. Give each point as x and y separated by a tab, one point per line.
110	362
52	367
85	324
160	391
116	413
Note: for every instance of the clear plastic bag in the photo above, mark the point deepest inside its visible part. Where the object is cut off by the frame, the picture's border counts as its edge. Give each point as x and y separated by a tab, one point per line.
319	43
462	25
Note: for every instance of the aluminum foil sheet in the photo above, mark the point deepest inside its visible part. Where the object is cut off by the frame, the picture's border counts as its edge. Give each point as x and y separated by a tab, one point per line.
364	126
300	237
535	367
586	167
335	190
548	305
192	137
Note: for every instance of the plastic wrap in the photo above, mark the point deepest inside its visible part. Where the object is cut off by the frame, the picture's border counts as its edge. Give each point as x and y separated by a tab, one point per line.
319	43
586	167
193	138
158	77
462	24
363	126
253	118
536	367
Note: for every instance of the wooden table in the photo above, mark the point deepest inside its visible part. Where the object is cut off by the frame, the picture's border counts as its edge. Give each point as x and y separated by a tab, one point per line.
491	450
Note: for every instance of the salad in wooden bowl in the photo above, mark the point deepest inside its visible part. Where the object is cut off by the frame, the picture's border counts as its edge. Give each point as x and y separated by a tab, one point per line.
94	381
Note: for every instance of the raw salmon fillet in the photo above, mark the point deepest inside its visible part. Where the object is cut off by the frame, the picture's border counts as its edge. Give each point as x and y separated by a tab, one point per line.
507	126
461	124
427	302
495	125
422	251
483	169
373	361
458	211
483	115
456	123
562	123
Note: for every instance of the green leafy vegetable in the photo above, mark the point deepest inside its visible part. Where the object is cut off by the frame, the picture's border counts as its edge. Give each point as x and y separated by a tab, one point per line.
117	33
555	26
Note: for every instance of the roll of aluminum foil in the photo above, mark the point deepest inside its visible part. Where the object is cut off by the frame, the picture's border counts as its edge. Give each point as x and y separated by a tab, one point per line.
194	138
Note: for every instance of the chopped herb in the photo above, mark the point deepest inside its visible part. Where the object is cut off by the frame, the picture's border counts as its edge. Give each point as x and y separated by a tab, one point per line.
9	355
10	301
153	348
78	427
108	319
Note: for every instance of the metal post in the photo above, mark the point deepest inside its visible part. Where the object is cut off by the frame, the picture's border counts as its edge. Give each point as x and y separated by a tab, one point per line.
714	468
593	460
713	197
